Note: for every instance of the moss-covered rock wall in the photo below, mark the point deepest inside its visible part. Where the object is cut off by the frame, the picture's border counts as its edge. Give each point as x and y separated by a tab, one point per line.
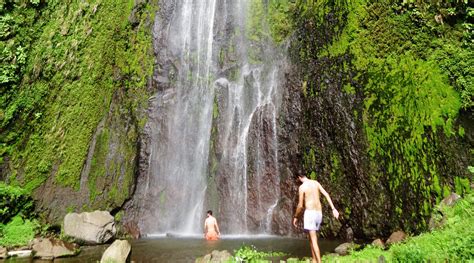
73	90
387	106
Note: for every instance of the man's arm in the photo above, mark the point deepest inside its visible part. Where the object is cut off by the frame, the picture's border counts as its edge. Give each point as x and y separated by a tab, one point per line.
217	228
299	208
334	210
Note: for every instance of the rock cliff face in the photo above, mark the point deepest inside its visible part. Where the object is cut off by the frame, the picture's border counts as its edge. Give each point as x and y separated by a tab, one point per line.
361	136
83	71
241	165
357	105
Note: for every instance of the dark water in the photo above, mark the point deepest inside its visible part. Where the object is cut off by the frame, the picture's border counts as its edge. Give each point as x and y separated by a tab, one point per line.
188	249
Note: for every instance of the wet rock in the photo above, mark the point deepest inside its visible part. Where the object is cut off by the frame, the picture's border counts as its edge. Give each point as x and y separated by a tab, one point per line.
437	220
205	259
3	252
344	248
215	256
20	253
381	259
451	199
132	229
96	227
118	252
48	248
378	243
349	234
396	237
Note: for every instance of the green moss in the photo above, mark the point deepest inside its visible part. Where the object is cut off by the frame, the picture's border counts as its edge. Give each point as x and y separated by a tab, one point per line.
410	74
97	164
14	201
73	56
335	167
278	18
462	185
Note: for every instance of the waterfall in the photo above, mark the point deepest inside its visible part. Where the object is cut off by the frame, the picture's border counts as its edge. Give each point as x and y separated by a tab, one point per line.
208	81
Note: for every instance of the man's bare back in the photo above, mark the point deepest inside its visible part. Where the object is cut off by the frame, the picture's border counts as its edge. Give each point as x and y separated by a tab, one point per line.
311	194
211	229
210	224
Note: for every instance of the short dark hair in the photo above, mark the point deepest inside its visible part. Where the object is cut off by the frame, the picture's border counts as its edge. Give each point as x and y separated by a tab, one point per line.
300	173
209	212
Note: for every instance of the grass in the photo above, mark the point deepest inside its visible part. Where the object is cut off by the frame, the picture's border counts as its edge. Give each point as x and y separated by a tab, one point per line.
454	242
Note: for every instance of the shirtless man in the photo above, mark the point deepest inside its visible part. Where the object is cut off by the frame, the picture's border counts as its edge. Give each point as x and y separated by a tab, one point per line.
211	229
309	193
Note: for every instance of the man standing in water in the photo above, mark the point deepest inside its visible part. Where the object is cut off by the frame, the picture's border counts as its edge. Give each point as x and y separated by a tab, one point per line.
211	229
309	192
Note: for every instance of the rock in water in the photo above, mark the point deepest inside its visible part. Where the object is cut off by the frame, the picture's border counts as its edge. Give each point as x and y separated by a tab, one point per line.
118	252
396	237
3	252
451	199
215	257
96	227
344	248
438	217
378	243
20	253
48	248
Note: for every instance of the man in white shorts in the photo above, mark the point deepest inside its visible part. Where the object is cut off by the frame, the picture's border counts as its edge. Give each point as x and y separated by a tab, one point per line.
309	192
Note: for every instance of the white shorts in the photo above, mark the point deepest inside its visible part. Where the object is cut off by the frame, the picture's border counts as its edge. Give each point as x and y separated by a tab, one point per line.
312	219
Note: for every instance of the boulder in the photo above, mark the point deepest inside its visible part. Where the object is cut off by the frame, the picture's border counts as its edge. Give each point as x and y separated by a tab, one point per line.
118	252
438	218
3	252
344	248
396	237
378	243
451	199
215	256
205	259
49	248
96	227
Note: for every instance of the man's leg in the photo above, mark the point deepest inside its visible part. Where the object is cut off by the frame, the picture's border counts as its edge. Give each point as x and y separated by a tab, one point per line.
314	246
312	249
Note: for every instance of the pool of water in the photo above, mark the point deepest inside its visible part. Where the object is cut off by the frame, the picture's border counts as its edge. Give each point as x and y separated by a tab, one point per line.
187	249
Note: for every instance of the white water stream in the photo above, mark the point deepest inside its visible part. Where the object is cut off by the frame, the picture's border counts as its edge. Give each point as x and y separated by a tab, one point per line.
198	37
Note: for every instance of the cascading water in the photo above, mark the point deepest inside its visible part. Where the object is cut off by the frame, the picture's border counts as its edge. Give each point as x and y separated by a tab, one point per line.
211	81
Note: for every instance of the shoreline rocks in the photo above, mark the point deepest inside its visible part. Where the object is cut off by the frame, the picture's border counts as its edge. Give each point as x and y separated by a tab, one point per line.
215	256
96	227
3	252
118	252
49	248
378	243
20	253
396	237
344	248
